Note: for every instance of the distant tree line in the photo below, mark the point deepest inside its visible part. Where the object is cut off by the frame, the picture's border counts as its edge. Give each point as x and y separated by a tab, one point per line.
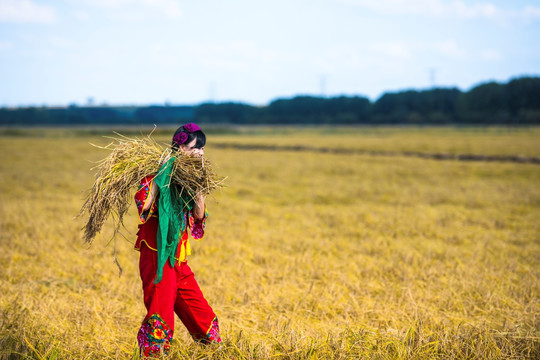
516	102
95	115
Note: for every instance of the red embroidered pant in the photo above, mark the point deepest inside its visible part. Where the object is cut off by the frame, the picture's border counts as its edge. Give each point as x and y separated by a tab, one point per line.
177	292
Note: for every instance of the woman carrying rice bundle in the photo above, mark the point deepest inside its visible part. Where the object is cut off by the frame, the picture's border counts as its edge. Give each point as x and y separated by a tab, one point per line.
169	286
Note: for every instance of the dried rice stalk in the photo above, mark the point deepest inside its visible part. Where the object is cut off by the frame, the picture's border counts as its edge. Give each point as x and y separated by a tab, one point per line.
130	160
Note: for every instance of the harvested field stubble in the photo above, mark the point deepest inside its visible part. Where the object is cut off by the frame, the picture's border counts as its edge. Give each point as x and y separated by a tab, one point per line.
306	256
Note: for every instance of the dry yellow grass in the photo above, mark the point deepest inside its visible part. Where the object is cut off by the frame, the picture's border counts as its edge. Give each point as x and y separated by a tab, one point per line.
306	256
446	140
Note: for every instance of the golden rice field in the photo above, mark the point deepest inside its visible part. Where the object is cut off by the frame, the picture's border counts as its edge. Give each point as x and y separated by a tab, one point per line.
306	255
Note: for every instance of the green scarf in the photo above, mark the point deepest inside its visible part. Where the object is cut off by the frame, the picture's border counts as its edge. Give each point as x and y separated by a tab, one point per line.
173	205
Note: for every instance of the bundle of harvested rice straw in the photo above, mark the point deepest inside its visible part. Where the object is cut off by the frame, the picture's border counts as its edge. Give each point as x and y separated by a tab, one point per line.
130	160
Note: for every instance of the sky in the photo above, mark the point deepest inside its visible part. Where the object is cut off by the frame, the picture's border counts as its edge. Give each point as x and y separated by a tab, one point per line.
140	52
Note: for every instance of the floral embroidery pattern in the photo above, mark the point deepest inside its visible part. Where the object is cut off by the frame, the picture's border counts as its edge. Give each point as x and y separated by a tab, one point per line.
197	227
197	231
154	336
211	337
141	196
213	333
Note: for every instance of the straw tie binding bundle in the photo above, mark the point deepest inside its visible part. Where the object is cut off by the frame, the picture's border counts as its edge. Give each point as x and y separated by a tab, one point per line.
130	160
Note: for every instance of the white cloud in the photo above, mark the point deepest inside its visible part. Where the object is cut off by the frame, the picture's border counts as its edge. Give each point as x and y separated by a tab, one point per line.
136	9
462	10
60	42
454	8
82	16
235	56
26	11
5	46
531	13
394	49
491	55
399	6
450	48
170	7
338	57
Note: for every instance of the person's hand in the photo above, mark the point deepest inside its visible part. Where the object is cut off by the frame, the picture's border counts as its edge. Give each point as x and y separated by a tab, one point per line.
198	152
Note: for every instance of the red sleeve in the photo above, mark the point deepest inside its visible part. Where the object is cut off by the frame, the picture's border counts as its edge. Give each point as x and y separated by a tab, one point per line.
142	195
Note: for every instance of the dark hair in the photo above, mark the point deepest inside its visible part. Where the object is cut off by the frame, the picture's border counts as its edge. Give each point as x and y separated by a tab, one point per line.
199	135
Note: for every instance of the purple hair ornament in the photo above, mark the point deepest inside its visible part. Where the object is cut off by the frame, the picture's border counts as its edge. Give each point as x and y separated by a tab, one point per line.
191	127
180	138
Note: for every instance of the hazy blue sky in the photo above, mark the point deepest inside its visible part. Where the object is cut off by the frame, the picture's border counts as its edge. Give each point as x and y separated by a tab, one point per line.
186	52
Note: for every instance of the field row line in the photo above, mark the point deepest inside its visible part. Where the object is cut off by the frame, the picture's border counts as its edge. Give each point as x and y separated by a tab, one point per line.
348	151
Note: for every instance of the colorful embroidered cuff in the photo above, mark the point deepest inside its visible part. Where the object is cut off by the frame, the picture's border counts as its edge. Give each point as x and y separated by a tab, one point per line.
154	337
212	335
197	227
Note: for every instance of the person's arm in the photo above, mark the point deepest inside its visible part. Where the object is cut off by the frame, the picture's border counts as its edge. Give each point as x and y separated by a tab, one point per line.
198	208
151	196
197	219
